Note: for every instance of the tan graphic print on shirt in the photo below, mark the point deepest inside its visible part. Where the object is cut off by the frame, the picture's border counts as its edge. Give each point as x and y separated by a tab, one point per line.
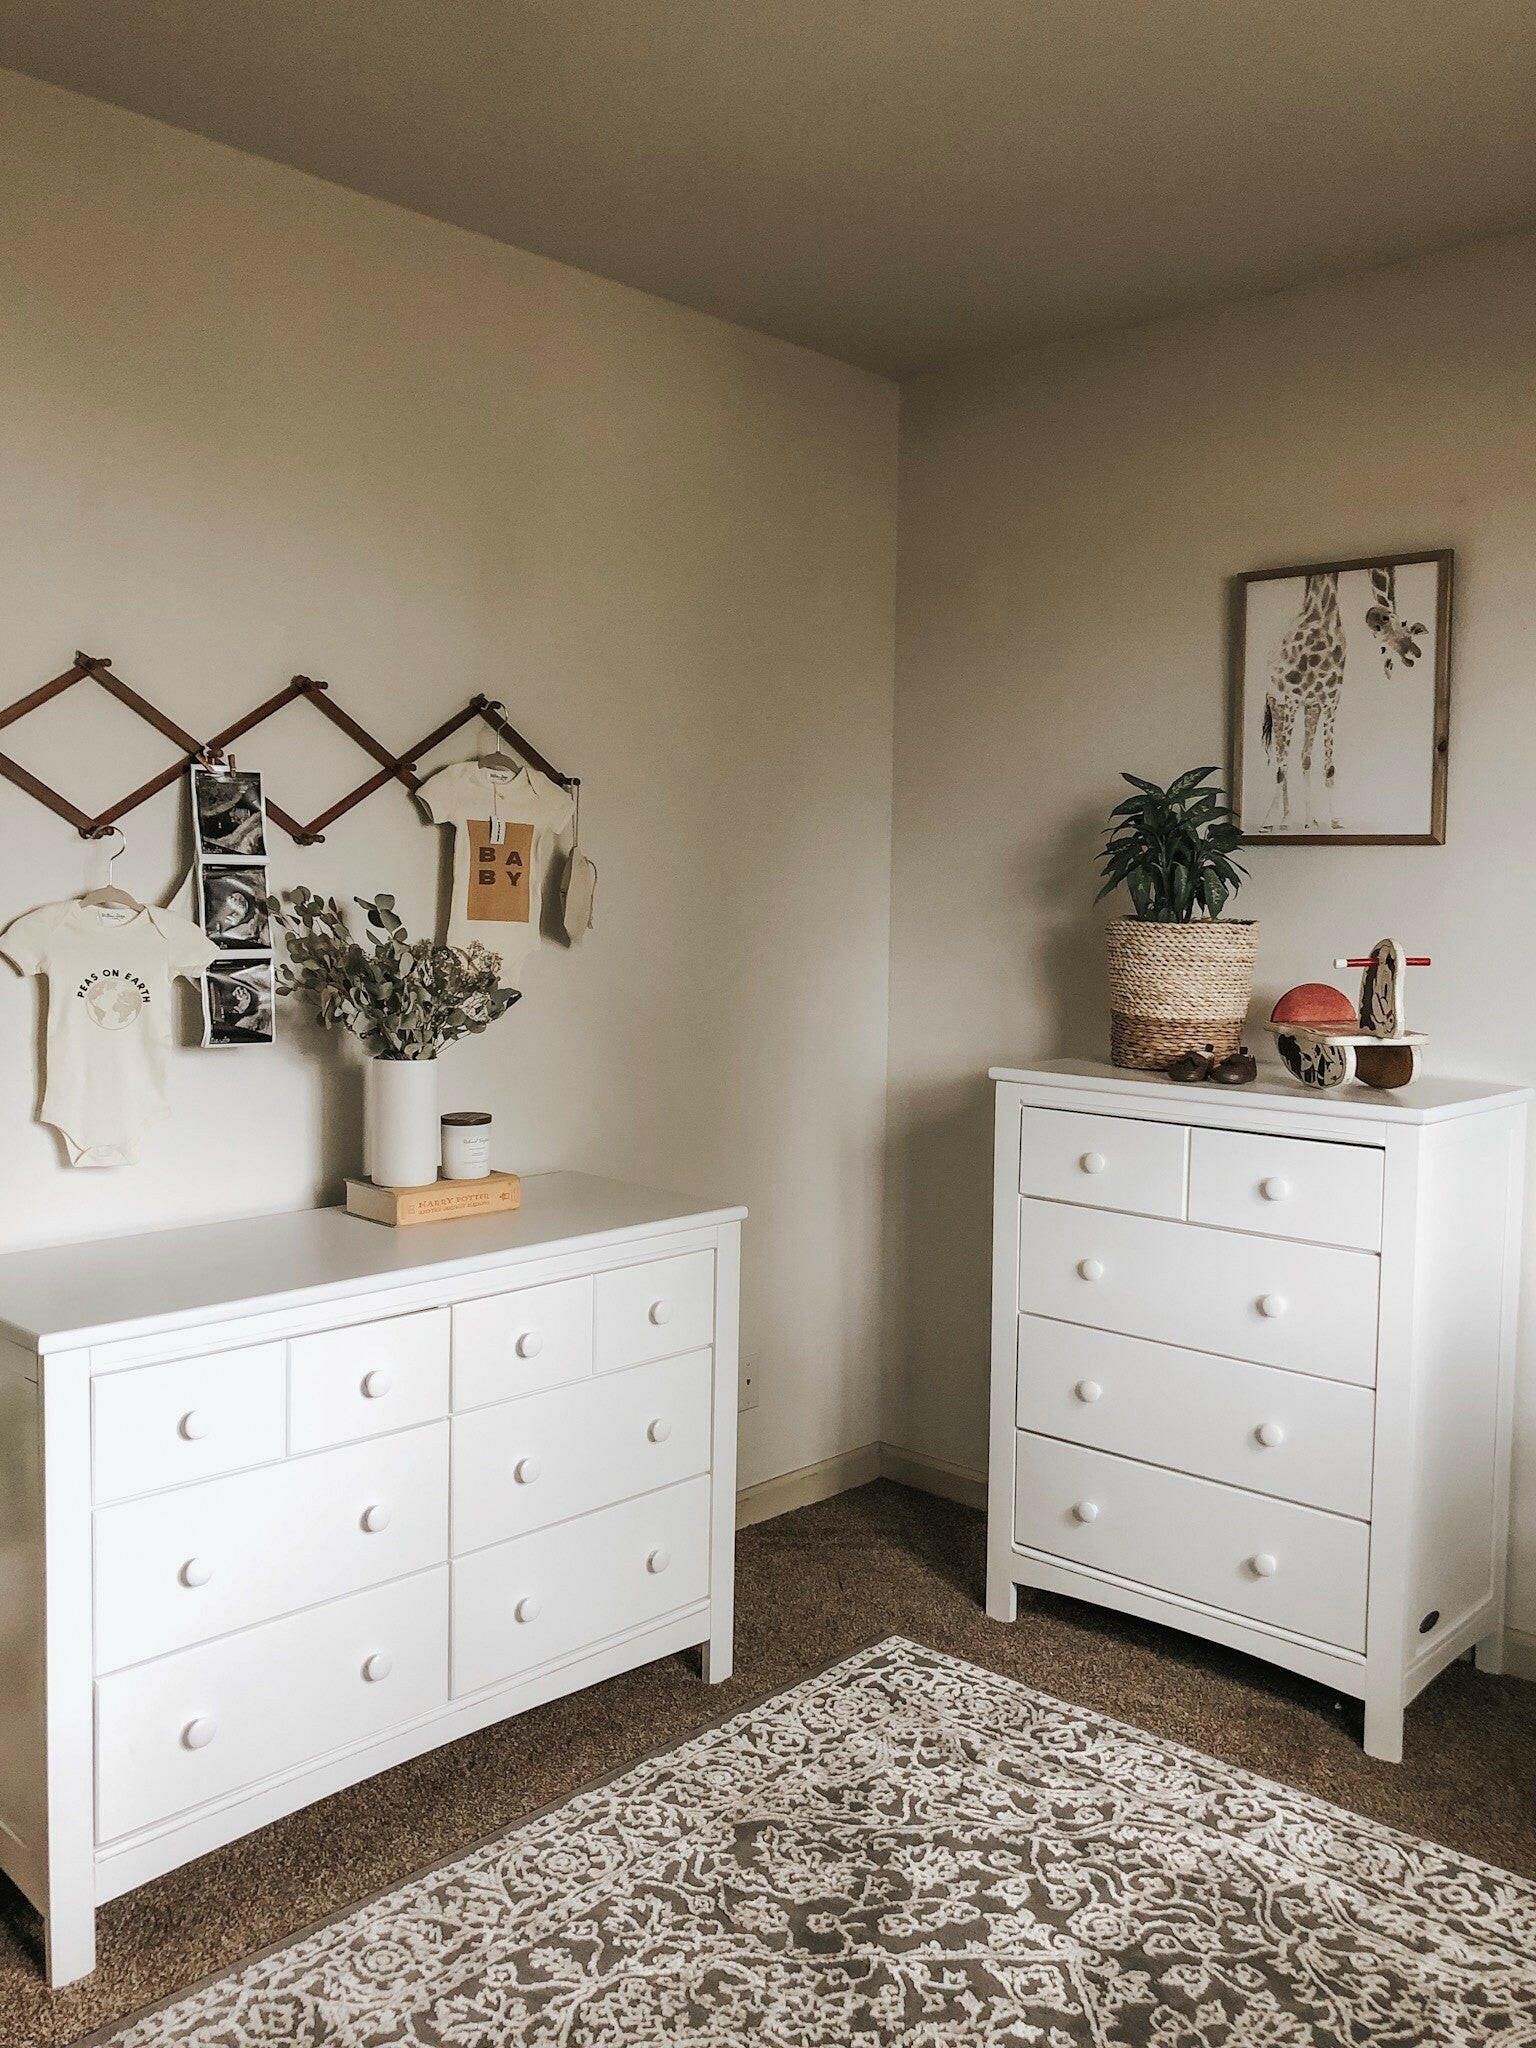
499	872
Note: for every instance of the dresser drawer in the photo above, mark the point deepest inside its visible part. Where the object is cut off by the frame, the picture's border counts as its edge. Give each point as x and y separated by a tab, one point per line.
348	1384
1267	1560
1110	1162
564	1453
161	1425
184	1566
654	1311
188	1729
1274	1432
510	1344
1286	1187
548	1595
1306	1307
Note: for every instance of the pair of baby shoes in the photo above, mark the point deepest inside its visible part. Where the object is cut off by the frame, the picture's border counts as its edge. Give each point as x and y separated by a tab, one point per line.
1232	1071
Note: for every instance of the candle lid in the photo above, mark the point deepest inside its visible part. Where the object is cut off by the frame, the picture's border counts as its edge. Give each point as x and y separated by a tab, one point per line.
467	1116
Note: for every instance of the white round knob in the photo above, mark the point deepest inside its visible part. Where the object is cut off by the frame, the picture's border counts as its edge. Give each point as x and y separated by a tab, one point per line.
1271	1305
193	1425
528	1608
1274	1189
659	1559
199	1732
1092	1162
529	1344
526	1470
1270	1434
376	1518
1265	1565
376	1385
1086	1510
659	1430
661	1311
1090	1269
196	1572
378	1666
1088	1390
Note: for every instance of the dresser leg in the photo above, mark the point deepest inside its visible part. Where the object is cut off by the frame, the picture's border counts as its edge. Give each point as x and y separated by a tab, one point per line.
1488	1655
715	1661
1384	1728
69	1939
1002	1597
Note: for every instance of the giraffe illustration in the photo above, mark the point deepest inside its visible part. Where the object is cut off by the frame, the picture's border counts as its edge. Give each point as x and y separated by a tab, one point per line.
1306	675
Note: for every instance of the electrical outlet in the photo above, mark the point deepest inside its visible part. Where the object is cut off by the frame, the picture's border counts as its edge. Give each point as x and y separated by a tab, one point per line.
746	1390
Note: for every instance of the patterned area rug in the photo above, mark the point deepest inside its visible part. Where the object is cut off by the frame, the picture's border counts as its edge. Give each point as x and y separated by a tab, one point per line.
907	1849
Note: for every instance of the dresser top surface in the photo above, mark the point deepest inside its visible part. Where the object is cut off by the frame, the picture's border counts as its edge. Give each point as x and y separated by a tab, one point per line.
1426	1101
64	1296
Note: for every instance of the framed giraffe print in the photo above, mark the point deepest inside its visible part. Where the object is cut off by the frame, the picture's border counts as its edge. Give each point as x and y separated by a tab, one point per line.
1341	701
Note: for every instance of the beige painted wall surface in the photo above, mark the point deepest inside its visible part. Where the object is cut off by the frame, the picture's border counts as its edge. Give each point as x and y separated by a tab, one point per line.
255	424
1068	523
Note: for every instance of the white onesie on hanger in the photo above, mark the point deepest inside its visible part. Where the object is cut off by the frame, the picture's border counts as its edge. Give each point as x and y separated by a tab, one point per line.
505	821
109	970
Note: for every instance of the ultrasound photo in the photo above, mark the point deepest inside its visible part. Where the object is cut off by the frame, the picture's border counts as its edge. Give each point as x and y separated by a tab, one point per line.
229	813
237	1003
234	907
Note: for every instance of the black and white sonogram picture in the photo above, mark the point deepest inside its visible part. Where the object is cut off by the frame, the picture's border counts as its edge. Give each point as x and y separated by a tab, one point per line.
234	907
237	1003
1343	701
229	814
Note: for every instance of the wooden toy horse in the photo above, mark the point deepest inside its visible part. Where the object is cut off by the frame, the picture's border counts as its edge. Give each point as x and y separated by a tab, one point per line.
1374	1047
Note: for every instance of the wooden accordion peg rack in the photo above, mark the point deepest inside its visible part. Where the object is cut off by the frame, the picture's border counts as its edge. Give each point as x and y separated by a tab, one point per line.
392	767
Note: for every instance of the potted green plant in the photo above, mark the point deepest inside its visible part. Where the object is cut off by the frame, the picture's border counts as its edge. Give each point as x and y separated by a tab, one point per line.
1180	973
404	999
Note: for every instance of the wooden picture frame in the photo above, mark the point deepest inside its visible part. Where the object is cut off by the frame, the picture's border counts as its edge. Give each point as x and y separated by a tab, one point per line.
1341	697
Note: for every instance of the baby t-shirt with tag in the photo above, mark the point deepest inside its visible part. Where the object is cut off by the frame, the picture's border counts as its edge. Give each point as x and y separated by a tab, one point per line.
505	821
109	970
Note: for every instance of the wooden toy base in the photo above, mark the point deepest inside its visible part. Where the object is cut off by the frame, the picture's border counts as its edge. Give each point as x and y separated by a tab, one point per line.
1328	1059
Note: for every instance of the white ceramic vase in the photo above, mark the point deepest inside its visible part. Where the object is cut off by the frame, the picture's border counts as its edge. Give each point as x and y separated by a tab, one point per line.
400	1128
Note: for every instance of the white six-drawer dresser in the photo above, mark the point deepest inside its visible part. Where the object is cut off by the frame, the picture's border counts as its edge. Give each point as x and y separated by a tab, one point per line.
1253	1362
284	1502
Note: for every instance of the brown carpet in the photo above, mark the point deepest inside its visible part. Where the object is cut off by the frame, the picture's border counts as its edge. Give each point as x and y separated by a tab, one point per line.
811	1586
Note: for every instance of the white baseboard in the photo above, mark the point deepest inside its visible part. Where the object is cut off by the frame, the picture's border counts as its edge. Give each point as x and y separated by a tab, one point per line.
810	1483
831	1476
1519	1653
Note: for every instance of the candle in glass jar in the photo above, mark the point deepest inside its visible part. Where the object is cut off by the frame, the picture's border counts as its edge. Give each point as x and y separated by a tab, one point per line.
466	1144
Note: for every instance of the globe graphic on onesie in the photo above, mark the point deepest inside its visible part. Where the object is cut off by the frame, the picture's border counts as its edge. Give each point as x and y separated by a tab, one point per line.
113	1004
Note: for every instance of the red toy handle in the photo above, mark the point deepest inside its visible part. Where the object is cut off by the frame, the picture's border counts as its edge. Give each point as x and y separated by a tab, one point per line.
1409	960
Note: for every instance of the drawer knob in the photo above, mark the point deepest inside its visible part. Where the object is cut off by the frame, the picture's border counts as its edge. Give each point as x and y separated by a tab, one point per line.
193	1425
1270	1434
661	1311
199	1732
1092	1162
528	1608
1086	1510
378	1667
1088	1390
529	1344
376	1518
1271	1305
1090	1269
659	1559
196	1572
376	1385
659	1430
526	1470
1265	1565
1274	1188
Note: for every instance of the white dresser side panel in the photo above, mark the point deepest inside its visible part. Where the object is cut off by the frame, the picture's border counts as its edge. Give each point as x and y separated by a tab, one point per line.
23	1804
1463	1269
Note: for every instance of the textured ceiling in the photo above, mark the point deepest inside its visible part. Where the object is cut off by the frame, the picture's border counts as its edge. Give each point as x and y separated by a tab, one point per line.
897	182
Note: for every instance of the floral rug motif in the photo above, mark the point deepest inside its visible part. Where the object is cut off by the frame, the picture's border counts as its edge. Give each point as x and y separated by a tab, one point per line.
909	1850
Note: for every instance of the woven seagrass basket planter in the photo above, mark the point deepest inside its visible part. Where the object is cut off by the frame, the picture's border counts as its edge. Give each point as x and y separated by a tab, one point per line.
1174	988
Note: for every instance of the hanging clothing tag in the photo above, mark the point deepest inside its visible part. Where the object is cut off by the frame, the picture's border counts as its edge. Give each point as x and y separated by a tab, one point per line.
496	831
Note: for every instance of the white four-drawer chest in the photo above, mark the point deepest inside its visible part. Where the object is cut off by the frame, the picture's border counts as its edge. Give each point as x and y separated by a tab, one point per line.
284	1502
1253	1363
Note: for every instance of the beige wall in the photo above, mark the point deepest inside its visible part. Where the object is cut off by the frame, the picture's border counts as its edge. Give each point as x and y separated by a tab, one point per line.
255	424
1068	523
